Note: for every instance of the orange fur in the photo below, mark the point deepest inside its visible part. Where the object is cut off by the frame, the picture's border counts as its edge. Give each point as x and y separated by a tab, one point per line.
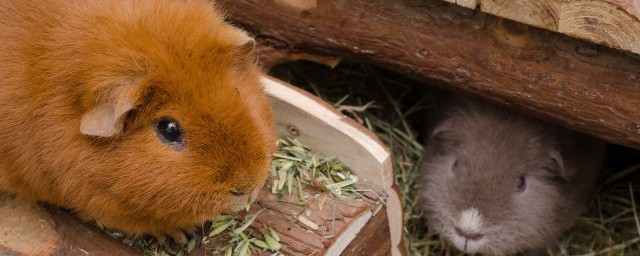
62	57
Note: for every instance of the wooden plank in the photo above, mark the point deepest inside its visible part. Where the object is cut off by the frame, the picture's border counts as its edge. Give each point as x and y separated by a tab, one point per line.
369	242
573	83
336	219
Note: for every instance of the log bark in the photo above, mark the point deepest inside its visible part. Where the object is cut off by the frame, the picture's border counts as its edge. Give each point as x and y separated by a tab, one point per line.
579	85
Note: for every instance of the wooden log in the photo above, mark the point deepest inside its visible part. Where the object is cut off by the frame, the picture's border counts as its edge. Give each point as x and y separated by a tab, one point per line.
614	23
600	22
342	225
631	6
542	14
21	231
28	229
465	3
589	88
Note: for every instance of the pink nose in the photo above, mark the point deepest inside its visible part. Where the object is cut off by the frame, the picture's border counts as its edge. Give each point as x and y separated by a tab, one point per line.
473	236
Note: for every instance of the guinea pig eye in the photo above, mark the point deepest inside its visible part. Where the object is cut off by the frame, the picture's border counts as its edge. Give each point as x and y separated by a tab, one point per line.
521	184
168	130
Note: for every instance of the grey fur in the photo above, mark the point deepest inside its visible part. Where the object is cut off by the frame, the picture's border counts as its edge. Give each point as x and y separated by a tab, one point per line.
493	147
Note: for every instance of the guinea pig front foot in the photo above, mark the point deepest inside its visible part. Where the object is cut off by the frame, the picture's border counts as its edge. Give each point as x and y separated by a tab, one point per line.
179	237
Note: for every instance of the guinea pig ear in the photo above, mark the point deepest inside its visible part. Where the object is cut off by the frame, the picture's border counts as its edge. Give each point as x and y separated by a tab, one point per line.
557	163
443	140
105	118
244	44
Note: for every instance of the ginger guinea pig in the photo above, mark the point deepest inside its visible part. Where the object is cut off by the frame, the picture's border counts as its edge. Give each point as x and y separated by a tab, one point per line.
145	115
496	182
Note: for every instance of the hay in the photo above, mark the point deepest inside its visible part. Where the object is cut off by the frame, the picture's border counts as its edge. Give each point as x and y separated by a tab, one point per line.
225	234
294	163
391	106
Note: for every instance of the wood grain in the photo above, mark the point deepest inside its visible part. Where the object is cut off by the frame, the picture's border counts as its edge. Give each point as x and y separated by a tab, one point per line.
333	219
631	6
600	22
466	3
579	85
80	239
543	14
369	242
614	23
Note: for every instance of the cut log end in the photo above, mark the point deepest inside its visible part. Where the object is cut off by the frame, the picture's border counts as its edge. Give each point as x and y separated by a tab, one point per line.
614	23
601	22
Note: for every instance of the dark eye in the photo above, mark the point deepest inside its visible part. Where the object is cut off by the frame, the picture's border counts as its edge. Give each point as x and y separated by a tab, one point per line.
521	184
237	193
168	130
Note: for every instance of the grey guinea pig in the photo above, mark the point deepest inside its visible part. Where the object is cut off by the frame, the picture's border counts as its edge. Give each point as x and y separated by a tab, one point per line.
497	182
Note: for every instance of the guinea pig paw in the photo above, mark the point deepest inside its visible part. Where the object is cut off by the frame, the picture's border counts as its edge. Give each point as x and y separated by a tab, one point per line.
162	239
179	237
191	232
